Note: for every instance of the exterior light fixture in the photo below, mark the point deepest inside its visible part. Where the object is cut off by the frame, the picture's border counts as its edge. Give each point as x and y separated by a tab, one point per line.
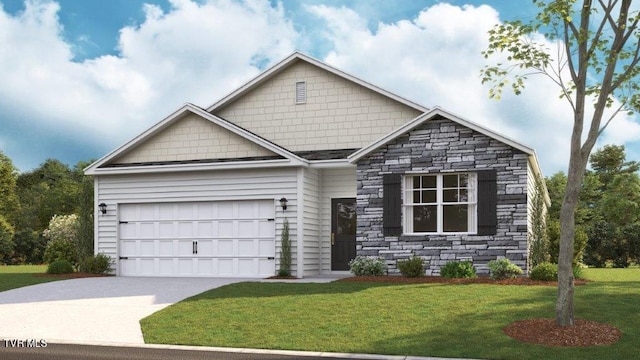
103	208
283	203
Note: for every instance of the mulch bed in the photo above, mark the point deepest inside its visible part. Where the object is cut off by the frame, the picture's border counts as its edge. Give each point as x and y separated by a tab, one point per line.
75	275
547	332
441	280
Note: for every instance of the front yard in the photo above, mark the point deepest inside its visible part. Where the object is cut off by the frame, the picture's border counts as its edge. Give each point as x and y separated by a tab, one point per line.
402	319
16	276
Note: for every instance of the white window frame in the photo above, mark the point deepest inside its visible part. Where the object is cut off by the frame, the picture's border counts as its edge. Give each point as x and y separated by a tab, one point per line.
472	203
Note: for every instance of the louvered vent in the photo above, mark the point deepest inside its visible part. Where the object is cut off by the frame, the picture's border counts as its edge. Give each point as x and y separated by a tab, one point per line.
301	92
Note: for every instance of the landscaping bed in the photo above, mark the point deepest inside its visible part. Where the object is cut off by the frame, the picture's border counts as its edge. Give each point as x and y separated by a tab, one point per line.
441	280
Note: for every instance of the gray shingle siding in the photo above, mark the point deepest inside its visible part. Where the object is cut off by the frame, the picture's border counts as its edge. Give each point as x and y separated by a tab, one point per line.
436	146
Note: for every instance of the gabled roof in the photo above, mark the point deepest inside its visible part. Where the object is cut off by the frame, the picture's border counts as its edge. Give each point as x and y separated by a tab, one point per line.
437	111
298	56
100	166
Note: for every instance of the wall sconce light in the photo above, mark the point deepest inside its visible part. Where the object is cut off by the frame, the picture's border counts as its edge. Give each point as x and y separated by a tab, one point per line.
103	208
283	203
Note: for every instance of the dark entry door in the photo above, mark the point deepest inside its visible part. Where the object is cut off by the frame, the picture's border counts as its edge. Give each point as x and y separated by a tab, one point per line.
343	233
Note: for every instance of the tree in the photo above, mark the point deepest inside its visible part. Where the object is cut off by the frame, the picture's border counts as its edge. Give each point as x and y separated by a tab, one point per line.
597	65
609	161
9	204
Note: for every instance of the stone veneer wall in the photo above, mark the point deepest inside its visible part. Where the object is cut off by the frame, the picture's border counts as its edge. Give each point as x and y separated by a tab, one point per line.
441	145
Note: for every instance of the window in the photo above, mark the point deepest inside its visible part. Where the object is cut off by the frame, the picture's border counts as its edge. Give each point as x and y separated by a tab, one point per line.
441	203
301	92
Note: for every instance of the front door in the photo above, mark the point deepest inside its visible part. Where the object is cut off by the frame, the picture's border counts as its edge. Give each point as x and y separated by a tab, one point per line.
343	233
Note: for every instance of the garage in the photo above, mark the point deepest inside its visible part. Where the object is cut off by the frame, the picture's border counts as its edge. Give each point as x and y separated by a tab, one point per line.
217	238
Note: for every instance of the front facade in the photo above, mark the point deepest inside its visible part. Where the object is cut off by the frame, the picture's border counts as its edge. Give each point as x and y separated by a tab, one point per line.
363	172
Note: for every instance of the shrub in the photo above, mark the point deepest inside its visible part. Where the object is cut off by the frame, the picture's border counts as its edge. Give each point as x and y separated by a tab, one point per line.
580	238
97	264
29	247
368	266
285	251
458	269
6	241
503	269
544	272
60	267
577	272
61	250
412	267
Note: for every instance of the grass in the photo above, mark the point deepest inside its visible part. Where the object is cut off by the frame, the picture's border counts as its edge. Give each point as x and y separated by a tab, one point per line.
418	319
16	276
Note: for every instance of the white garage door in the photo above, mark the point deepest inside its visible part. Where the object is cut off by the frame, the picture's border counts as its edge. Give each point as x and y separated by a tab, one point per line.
225	238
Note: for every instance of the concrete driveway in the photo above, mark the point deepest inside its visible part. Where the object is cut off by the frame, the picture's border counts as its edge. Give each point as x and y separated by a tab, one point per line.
93	310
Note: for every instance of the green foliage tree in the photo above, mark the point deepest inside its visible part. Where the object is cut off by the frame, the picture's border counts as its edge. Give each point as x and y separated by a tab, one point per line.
539	239
596	67
579	243
6	241
609	161
9	203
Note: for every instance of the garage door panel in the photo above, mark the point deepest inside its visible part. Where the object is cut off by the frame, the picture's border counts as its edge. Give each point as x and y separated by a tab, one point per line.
266	248
206	248
198	239
225	248
185	266
165	266
246	229
185	248
128	247
147	248
246	267
165	248
147	266
185	230
225	229
225	267
165	230
247	248
266	229
205	229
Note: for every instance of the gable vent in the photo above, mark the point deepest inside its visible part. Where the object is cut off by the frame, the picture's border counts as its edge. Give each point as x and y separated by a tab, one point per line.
301	92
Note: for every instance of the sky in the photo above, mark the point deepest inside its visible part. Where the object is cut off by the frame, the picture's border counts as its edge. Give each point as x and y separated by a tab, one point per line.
78	78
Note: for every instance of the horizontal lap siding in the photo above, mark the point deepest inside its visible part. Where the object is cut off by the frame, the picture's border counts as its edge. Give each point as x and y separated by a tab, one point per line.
192	186
335	183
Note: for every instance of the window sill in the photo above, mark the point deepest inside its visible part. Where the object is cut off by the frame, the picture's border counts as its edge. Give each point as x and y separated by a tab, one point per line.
439	234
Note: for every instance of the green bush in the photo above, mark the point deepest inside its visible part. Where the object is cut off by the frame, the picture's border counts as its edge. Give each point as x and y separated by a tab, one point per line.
412	267
285	251
6	241
577	272
61	250
580	239
97	264
544	272
368	266
458	269
60	267
503	269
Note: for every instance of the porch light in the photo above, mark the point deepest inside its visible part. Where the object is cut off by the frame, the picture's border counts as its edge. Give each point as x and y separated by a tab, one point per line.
283	203
103	208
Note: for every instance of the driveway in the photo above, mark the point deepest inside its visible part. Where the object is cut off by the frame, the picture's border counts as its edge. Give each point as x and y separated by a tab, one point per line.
94	310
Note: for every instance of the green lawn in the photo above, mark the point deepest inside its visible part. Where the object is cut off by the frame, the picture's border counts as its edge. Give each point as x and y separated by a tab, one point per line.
422	320
16	276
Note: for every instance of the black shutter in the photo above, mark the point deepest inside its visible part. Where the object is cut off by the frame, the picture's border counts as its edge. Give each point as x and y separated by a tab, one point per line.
487	202
392	204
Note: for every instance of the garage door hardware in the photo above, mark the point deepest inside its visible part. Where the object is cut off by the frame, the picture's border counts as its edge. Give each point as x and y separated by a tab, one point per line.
195	247
124	258
124	222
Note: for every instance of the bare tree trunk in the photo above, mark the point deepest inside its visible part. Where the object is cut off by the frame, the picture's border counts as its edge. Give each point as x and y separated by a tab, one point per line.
564	304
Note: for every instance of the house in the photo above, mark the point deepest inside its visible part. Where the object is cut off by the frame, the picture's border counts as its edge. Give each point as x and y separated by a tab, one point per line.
354	169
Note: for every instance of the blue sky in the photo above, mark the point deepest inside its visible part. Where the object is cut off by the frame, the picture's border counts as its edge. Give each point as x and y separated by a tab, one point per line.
82	77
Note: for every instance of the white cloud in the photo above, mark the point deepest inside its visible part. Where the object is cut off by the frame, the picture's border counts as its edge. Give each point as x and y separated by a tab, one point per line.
195	52
436	59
